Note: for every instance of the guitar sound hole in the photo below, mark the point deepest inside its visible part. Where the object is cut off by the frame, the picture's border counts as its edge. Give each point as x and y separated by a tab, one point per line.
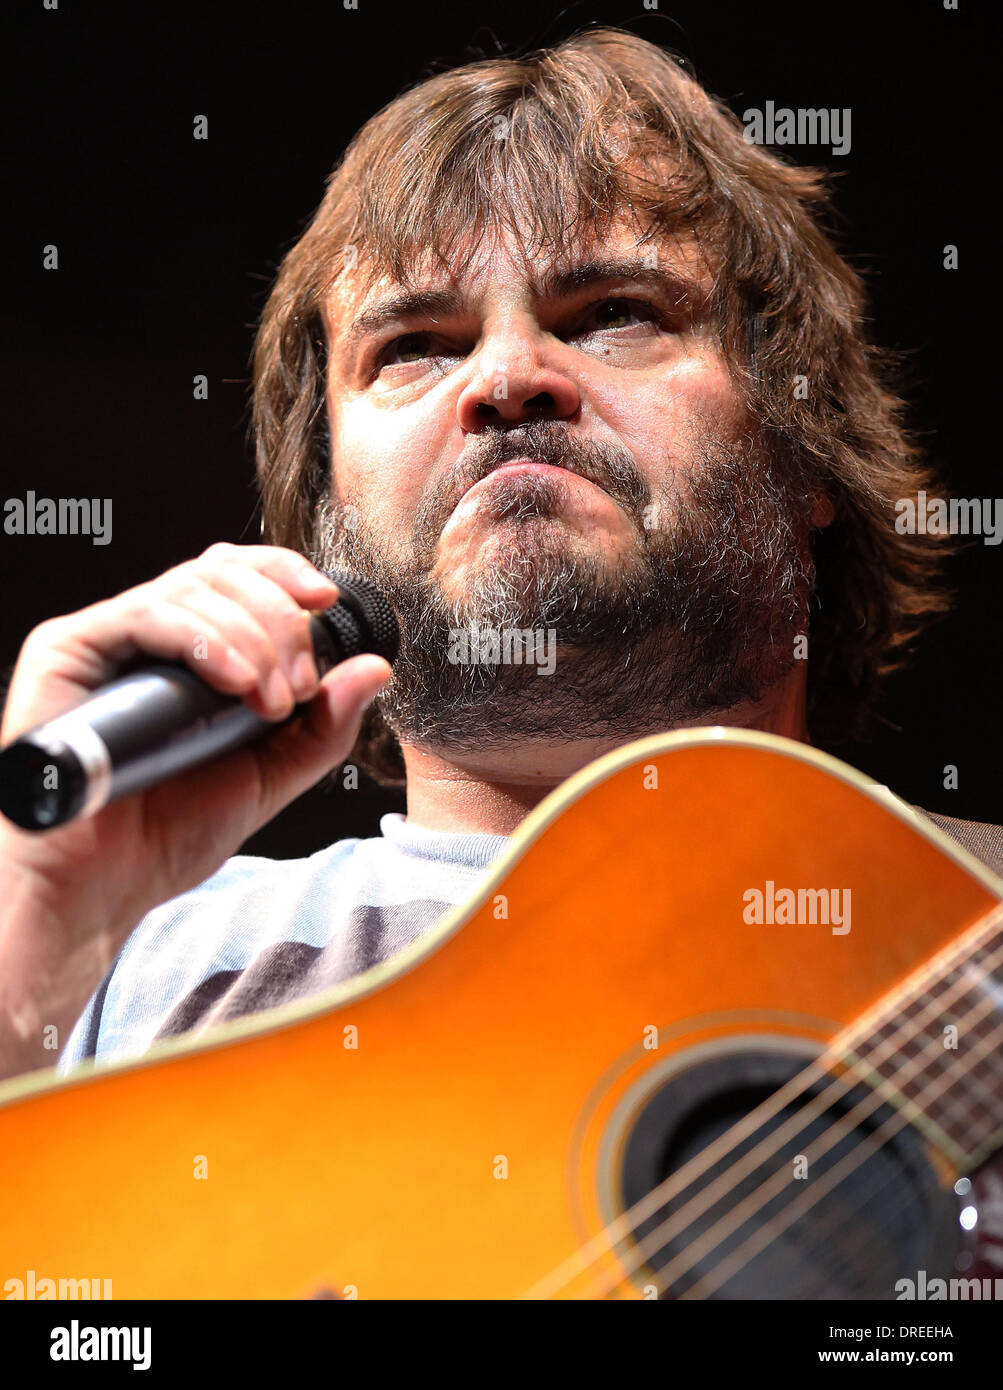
814	1237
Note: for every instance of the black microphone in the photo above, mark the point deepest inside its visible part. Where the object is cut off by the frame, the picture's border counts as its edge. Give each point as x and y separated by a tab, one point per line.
158	721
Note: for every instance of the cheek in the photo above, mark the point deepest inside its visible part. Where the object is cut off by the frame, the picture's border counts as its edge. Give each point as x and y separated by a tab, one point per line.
382	460
668	412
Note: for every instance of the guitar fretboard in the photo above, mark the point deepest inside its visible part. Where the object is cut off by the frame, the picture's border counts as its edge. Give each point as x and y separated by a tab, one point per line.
934	1047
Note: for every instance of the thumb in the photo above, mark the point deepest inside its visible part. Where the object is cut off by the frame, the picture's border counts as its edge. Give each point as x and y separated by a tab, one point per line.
296	757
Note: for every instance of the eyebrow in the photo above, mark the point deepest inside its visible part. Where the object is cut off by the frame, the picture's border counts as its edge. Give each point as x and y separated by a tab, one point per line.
554	283
406	305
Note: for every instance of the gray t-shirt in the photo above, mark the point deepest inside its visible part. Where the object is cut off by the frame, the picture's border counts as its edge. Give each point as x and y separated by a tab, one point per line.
263	932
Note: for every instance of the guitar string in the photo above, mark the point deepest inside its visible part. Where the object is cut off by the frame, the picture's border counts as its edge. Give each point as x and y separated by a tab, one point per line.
908	992
821	1231
896	1121
780	1183
815	1256
917	1066
829	1252
825	1260
840	1256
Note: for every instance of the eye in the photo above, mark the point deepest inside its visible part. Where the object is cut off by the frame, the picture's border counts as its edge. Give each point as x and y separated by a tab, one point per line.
412	347
607	314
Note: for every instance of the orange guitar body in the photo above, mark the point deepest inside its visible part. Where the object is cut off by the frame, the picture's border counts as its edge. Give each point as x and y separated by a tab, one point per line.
451	1125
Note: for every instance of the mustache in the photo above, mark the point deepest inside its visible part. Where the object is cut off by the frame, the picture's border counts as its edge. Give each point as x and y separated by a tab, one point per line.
606	466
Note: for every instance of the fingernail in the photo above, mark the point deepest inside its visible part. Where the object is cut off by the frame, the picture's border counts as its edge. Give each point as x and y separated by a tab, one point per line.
304	676
277	692
370	690
240	666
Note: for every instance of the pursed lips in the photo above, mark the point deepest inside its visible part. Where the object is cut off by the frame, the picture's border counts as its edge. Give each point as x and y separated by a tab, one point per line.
525	465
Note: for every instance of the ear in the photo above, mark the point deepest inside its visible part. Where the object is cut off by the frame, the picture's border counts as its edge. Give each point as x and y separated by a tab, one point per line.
822	513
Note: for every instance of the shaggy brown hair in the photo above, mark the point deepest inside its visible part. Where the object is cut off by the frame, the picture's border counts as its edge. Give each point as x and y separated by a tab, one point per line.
603	124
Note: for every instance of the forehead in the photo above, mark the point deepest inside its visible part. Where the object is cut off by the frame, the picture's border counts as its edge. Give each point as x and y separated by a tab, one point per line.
501	259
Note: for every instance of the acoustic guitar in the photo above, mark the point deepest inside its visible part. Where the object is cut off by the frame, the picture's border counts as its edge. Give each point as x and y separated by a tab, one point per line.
724	1021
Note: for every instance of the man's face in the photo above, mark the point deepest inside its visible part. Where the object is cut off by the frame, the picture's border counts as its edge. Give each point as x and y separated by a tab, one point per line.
618	354
560	446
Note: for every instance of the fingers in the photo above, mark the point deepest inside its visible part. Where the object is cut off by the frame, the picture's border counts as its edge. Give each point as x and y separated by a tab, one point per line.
262	598
269	628
296	757
287	568
237	615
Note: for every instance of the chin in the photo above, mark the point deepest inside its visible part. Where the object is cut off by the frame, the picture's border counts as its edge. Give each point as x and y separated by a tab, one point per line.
509	550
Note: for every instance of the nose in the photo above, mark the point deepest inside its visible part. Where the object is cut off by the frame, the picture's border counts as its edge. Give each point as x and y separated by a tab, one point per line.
513	383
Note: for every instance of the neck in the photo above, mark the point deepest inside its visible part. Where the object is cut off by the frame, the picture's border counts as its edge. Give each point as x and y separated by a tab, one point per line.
491	794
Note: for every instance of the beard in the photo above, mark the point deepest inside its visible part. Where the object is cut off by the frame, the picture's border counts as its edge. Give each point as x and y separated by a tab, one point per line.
701	616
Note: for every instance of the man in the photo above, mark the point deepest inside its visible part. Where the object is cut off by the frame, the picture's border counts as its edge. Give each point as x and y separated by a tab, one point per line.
567	367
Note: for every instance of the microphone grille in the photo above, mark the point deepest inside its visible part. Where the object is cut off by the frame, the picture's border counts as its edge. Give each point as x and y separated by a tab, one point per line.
380	633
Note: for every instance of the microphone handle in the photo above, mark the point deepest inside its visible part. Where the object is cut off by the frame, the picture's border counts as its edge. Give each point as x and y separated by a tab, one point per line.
133	733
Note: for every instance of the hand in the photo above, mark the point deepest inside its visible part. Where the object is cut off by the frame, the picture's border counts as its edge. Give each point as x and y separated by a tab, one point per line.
238	616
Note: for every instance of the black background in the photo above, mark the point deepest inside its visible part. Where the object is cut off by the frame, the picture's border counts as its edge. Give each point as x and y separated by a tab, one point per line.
167	246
